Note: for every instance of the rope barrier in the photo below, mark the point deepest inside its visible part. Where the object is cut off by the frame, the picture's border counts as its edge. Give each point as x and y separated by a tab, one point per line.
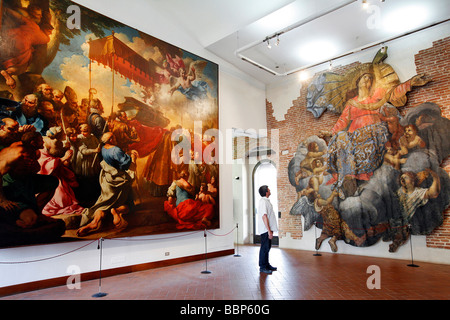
173	237
116	239
221	235
48	258
164	238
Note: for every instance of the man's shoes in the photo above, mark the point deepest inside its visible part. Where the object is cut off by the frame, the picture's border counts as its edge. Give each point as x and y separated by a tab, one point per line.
272	268
265	270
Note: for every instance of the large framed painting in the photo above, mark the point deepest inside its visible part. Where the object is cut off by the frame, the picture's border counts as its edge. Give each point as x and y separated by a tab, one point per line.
376	173
105	131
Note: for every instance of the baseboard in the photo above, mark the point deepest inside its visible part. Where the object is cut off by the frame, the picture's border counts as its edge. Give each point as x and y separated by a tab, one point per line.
60	281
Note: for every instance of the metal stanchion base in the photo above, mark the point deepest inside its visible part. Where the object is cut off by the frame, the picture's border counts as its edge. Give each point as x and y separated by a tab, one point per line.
99	295
412	257
237	255
206	272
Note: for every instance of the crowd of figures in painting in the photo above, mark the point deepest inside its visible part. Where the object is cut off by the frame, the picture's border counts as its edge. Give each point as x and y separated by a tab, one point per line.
73	167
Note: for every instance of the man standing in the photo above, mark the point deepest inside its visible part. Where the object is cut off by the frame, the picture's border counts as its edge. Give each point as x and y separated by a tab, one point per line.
268	227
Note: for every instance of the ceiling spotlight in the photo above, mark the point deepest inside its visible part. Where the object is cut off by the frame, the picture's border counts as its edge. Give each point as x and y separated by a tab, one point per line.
330	66
278	41
303	75
268	44
365	4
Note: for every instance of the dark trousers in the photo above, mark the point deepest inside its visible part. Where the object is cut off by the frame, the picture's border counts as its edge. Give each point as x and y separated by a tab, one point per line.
266	244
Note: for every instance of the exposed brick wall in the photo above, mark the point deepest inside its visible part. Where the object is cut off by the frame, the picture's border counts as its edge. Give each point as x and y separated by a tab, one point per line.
298	124
435	63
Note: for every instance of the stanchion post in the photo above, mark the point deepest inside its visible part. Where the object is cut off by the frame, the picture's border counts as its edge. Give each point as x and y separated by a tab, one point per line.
237	241
410	242
206	271
317	254
100	294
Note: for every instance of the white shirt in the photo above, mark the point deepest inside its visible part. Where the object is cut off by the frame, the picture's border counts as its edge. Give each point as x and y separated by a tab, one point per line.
265	207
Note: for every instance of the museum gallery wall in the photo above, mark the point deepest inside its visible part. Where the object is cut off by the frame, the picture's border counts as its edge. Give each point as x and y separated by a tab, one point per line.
106	131
371	165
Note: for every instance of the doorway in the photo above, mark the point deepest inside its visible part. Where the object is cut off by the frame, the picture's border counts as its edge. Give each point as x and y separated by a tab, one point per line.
264	173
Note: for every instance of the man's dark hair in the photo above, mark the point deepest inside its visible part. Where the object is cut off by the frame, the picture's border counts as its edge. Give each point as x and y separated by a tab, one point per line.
29	137
263	190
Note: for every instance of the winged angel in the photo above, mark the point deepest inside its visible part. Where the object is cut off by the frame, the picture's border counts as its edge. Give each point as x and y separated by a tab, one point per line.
185	80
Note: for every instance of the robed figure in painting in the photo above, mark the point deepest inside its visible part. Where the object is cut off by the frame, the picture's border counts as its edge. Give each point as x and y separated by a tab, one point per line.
189	213
357	147
116	177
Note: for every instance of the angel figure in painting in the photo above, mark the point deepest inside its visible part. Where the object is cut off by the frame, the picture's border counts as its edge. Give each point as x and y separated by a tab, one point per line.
333	224
411	140
393	156
305	165
204	196
188	84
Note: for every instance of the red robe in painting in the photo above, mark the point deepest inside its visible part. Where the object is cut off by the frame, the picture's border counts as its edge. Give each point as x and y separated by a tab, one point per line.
63	201
189	213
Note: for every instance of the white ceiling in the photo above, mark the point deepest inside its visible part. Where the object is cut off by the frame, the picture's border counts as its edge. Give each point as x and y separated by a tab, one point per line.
236	29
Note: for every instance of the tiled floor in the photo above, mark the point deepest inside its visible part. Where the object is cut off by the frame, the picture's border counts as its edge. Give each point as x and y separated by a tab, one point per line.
300	276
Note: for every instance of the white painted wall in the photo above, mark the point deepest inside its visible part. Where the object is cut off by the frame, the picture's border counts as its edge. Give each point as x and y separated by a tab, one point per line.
241	104
401	57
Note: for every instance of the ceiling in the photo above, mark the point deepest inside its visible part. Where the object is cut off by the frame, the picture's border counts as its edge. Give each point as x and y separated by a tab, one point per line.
309	32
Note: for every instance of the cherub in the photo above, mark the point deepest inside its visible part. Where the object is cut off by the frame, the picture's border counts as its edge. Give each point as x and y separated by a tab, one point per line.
393	156
333	224
390	114
410	140
188	84
204	196
305	164
316	180
212	187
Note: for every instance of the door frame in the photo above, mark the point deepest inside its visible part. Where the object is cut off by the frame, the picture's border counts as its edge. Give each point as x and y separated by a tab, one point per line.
257	237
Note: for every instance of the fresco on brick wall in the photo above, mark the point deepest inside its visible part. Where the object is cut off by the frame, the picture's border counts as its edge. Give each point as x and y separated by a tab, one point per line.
376	174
